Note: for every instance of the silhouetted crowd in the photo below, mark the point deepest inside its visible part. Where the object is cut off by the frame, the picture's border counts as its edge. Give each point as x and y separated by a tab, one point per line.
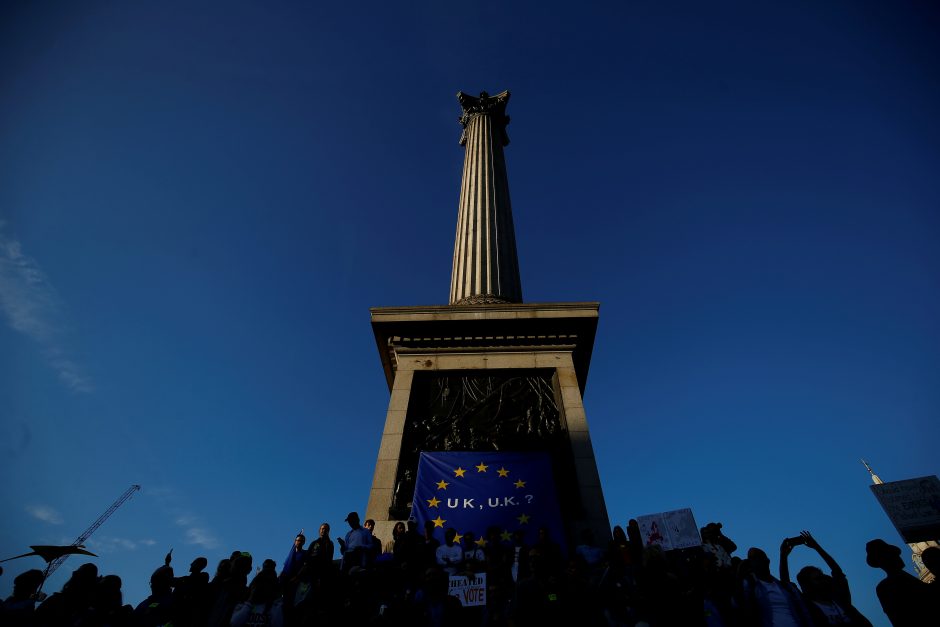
405	581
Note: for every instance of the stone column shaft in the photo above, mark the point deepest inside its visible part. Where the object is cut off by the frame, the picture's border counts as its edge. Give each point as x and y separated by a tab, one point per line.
486	267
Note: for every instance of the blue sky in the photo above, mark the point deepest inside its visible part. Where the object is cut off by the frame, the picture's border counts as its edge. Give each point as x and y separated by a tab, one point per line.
200	204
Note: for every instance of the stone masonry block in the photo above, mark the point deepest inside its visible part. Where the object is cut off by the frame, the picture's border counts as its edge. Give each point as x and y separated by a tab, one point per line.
390	447
395	421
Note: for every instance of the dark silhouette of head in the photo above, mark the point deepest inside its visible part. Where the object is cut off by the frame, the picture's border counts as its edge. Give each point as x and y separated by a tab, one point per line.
620	536
264	588
198	565
325	530
880	554
931	559
108	593
241	567
299	541
161	581
223	570
26	584
815	584
82	581
759	563
449	536
353	519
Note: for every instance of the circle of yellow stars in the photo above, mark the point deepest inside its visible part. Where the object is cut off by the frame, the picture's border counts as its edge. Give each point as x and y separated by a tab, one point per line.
459	473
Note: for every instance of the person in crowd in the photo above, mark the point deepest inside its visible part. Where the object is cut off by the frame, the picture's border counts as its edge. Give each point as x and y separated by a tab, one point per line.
549	550
157	609
376	550
398	534
434	607
190	593
592	555
474	560
931	558
409	554
764	600
232	590
539	596
429	546
294	559
263	606
107	607
827	597
520	556
64	607
904	598
499	581
222	570
19	607
450	554
356	547
320	551
715	542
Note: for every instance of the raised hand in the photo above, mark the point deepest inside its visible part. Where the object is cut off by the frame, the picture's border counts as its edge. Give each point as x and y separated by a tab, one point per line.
809	540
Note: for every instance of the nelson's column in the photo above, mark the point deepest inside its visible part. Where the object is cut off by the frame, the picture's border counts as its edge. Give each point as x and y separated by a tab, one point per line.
487	372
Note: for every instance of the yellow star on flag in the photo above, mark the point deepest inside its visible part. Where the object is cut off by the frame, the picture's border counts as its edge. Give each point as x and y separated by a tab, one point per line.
458	538
433	501
459	472
482	467
519	484
439	522
442	485
480	542
505	535
503	472
523	519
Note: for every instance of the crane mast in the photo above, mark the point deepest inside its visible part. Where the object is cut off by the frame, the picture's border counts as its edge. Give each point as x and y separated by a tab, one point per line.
80	540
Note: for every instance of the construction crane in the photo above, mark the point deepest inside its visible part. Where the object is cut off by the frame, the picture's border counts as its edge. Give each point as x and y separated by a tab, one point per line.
80	540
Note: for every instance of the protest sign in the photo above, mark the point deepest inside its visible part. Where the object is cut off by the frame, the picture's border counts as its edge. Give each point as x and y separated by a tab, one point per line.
470	590
670	530
913	505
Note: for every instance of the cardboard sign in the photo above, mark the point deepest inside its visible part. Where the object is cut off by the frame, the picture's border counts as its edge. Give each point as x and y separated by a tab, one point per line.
913	505
470	590
670	530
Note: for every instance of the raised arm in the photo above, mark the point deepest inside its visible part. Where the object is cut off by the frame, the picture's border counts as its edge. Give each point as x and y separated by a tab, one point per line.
811	543
785	547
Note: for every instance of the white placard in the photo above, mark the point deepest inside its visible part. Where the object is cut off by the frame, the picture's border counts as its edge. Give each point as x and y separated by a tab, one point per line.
470	590
670	530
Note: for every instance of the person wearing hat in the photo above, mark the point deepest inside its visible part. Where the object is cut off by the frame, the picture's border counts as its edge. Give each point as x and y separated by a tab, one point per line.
904	598
355	548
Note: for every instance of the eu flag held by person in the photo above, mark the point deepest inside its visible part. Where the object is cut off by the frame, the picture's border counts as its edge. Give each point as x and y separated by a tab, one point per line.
473	491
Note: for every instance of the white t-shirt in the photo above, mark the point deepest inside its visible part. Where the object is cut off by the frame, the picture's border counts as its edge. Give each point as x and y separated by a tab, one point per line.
781	614
450	557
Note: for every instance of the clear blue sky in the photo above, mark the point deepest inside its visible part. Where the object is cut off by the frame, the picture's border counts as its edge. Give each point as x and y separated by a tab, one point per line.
199	205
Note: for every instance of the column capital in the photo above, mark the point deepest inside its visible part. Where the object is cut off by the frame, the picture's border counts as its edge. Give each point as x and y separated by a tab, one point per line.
485	104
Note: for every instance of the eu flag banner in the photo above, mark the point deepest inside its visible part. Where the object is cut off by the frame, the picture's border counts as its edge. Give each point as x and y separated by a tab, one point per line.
473	491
